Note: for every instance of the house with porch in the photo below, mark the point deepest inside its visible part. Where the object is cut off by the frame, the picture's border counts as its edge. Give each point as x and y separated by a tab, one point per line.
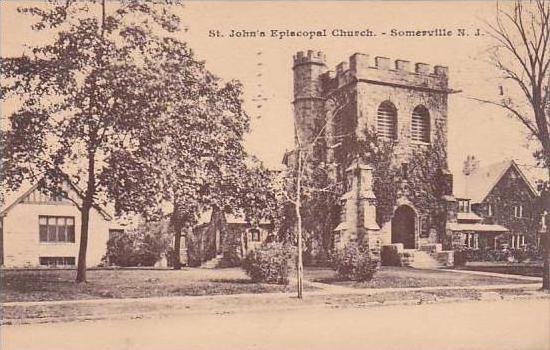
498	207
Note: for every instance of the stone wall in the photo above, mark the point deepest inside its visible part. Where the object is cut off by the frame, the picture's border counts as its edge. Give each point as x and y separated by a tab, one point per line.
356	89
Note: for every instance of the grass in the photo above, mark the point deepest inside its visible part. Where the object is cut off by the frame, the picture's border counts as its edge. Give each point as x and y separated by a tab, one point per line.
41	285
512	269
402	277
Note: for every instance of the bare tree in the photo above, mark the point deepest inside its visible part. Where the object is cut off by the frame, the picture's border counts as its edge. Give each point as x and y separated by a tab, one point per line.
300	184
521	33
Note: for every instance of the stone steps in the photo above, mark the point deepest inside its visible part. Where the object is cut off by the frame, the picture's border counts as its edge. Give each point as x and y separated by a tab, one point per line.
422	260
212	263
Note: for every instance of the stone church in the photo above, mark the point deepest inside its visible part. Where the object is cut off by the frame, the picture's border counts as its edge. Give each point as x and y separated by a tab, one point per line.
404	104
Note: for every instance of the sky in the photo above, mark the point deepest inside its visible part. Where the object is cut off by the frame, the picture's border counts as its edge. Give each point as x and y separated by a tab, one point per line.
264	65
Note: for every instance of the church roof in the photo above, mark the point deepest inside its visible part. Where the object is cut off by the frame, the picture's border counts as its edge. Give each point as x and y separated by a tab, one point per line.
479	183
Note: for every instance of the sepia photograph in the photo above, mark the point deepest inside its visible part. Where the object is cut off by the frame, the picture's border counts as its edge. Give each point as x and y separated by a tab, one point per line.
250	174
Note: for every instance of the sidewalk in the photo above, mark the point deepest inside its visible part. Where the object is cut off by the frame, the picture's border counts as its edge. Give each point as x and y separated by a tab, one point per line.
494	274
327	296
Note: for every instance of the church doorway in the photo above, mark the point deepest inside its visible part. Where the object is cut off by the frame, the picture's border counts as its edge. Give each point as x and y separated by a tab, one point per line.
403	226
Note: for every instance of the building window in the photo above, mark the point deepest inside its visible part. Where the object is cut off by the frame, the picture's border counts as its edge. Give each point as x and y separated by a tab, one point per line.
471	240
386	124
517	241
255	235
115	232
518	211
489	209
464	206
54	261
420	125
56	228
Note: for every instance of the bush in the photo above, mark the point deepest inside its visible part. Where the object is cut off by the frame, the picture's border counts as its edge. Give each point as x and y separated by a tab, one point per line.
390	256
270	263
355	263
142	246
460	257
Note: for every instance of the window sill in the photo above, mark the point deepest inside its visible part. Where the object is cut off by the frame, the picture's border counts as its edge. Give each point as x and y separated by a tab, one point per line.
57	243
420	143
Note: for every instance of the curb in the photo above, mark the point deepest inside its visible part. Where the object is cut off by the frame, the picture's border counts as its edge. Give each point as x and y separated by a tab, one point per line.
318	305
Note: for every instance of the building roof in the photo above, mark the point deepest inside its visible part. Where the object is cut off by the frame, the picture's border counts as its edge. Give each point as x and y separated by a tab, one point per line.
478	184
239	218
468	217
12	198
477	227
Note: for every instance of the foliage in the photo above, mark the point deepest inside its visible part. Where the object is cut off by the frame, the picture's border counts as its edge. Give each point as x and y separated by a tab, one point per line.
89	99
389	256
354	262
270	263
462	256
120	108
418	181
142	246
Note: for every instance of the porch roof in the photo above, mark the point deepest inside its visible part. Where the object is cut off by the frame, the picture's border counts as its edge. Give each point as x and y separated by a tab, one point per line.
477	227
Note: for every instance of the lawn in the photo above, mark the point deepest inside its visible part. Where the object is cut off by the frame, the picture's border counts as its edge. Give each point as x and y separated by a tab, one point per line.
404	277
40	285
533	270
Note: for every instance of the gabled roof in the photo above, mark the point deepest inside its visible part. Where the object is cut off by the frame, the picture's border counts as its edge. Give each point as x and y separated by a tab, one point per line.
478	184
12	198
239	218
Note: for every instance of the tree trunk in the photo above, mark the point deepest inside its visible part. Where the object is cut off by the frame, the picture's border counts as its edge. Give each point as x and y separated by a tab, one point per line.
299	264
177	246
546	241
298	205
85	219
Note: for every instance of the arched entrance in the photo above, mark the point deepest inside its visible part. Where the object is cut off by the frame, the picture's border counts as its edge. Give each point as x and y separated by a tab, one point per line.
403	227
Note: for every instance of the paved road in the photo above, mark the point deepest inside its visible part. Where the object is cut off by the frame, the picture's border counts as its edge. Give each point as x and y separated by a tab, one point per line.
518	324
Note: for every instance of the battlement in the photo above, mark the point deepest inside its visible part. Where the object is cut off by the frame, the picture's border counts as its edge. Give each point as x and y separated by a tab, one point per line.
360	67
316	57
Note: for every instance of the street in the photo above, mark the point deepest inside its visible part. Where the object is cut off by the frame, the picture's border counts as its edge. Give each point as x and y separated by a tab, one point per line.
516	324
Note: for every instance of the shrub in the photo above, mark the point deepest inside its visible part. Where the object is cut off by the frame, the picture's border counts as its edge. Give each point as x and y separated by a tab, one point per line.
390	256
460	257
270	263
142	246
354	262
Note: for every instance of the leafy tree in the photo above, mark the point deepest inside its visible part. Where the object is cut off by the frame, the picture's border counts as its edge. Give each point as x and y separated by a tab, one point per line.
85	100
521	54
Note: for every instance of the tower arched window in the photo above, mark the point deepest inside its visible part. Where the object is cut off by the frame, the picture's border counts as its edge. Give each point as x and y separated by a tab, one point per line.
386	123
420	125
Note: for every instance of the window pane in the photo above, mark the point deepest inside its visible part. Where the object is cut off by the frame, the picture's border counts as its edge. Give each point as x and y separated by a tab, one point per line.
70	221
43	229
42	220
52	221
70	233
61	236
52	233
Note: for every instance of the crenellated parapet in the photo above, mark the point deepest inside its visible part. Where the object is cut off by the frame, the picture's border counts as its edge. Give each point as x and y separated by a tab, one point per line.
310	56
385	71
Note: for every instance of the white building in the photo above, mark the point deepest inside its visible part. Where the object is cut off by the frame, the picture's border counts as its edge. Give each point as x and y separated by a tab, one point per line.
40	230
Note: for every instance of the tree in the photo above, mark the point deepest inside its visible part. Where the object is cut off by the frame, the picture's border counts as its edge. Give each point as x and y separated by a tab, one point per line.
301	180
84	100
198	161
522	55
